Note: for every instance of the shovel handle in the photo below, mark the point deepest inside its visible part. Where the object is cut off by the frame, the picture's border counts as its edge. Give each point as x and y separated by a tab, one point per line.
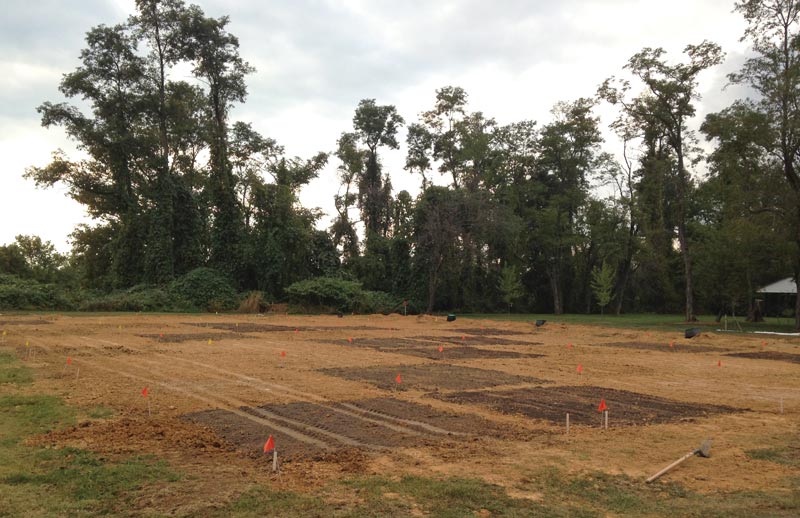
690	454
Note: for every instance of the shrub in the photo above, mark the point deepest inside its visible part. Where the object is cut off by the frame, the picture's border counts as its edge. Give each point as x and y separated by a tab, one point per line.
206	289
17	293
330	293
138	298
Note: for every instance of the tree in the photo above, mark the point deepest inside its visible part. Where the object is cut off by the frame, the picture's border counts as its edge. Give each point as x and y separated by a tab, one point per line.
510	286
667	105
774	73
603	284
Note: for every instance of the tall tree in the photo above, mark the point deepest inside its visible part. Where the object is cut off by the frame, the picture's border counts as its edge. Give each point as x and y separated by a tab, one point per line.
774	73
668	101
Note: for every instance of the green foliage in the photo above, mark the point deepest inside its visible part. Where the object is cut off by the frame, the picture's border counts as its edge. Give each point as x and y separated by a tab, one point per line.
17	293
329	293
510	285
138	298
603	284
336	293
205	289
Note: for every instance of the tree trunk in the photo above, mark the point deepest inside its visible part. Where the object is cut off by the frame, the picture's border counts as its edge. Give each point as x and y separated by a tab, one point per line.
558	303
687	265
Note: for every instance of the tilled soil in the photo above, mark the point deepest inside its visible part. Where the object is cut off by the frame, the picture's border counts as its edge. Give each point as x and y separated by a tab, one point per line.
769	355
430	377
680	347
174	338
581	402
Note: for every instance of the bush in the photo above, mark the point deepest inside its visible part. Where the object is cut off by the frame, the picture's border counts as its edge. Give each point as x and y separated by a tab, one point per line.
138	298
330	293
206	289
28	294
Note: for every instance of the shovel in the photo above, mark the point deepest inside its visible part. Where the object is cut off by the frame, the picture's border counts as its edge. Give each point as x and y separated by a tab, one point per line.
703	451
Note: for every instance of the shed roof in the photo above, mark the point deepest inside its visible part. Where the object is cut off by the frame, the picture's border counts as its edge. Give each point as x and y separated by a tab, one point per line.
787	285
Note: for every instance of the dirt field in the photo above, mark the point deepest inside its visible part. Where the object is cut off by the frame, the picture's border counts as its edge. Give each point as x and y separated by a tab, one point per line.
490	404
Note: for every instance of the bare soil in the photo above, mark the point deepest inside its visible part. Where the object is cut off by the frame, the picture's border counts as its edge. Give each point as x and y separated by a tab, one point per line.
429	377
769	355
491	408
581	402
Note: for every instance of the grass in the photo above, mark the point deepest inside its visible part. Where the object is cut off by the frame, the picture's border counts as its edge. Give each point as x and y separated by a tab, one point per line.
11	372
644	321
556	495
787	455
40	481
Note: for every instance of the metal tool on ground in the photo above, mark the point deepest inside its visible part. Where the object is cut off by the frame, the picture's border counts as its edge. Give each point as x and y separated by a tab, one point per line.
703	451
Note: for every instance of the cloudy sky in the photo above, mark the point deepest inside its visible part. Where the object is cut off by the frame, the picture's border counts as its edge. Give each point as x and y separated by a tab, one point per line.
316	59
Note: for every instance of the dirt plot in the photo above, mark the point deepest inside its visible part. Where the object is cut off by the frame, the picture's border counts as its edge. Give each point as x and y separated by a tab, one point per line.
487	331
248	327
769	355
372	424
25	322
664	347
552	404
430	377
458	353
417	341
174	338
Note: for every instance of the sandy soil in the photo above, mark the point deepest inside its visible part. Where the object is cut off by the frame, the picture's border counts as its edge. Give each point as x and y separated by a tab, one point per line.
219	385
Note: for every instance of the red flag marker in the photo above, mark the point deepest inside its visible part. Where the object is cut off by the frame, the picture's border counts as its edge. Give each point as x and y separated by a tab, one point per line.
463	338
350	339
398	379
69	360
144	392
763	344
283	354
441	348
672	344
161	335
295	329
719	363
269	445
579	370
602	407
569	345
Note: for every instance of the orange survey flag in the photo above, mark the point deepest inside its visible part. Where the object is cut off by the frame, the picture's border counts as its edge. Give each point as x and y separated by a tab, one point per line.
144	392
579	369
398	379
269	445
602	407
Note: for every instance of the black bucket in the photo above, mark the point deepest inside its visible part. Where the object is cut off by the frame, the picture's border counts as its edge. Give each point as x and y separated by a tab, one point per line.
540	323
692	332
451	317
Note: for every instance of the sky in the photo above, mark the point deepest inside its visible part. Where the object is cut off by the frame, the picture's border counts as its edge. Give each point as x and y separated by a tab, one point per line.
316	59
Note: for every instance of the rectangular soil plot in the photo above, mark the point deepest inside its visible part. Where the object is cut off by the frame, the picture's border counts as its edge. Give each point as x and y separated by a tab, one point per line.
432	377
310	429
769	355
663	347
553	403
460	353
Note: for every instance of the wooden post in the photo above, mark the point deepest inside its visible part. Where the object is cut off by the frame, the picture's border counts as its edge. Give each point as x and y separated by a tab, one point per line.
605	415
275	460
77	371
567	423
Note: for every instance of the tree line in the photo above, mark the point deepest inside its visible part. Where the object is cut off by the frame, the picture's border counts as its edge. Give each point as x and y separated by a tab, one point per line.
523	216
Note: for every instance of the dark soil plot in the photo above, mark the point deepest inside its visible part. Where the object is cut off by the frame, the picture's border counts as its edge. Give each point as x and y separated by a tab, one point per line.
431	377
28	322
380	343
414	415
478	340
458	353
246	327
552	404
486	331
378	423
178	338
663	347
769	355
249	436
